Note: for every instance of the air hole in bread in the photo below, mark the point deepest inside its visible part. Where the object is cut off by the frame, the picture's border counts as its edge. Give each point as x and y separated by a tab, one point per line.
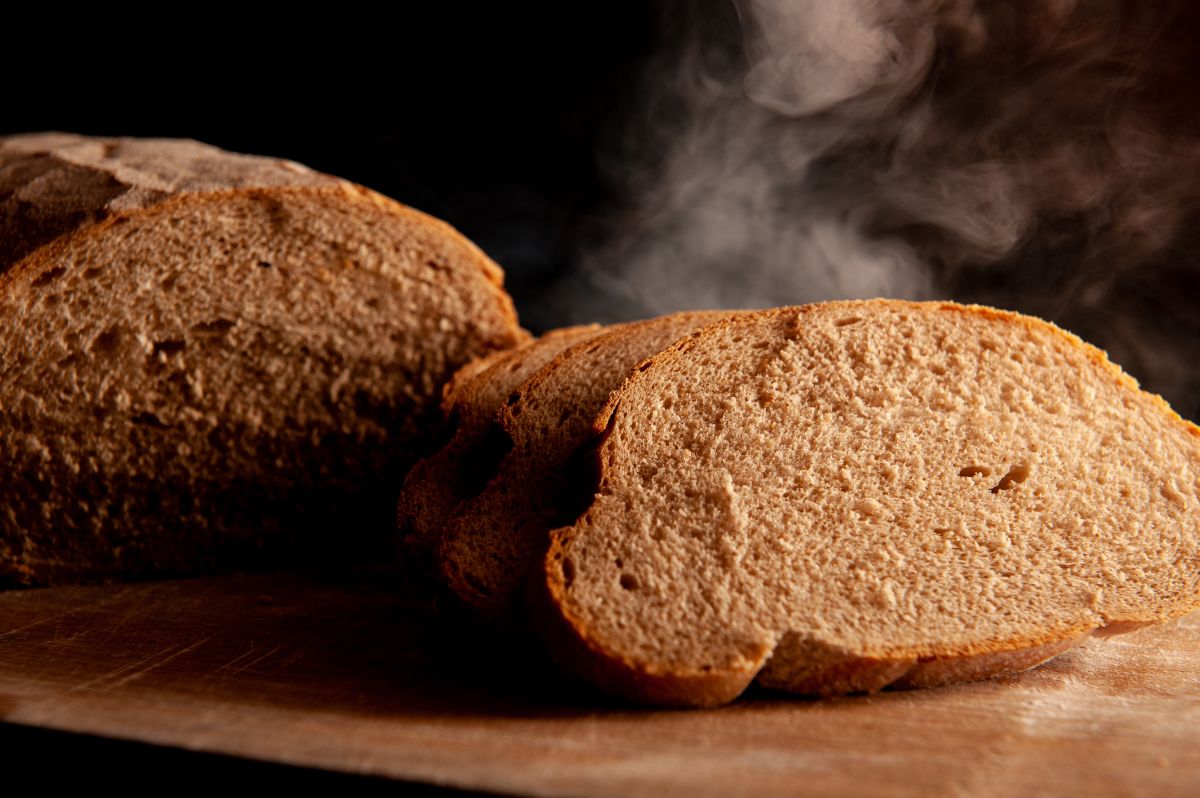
148	419
264	264
619	562
629	582
169	347
92	272
49	277
1015	476
366	403
937	369
479	470
453	419
846	322
107	342
581	481
974	471
568	572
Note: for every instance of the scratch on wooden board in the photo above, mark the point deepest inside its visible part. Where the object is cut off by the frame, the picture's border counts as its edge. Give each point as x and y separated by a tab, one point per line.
58	616
325	637
231	667
118	677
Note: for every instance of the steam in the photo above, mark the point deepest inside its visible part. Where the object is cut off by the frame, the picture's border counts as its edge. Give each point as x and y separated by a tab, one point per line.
1030	154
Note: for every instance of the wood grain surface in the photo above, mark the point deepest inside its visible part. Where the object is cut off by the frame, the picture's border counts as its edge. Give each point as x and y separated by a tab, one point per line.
357	674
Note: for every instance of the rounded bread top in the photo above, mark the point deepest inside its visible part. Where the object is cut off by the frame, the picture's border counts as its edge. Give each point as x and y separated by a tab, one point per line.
52	184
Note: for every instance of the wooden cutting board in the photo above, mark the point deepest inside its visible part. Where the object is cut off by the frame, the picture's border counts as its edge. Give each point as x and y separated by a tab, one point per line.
358	675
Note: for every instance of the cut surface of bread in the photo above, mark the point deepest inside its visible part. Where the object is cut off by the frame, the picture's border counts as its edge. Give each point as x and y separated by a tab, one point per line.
473	399
497	537
839	497
206	352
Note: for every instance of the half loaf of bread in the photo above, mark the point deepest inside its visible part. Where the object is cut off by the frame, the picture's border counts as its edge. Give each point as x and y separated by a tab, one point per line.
837	498
207	353
495	539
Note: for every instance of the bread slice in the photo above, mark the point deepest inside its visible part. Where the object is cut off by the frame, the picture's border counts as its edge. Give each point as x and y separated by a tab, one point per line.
461	468
837	498
205	353
497	537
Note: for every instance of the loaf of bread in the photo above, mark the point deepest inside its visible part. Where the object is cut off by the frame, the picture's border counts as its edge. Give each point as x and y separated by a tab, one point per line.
210	357
472	401
497	537
841	497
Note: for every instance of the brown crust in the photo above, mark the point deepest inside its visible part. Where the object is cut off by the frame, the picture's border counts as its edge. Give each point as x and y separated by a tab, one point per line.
52	184
56	186
572	642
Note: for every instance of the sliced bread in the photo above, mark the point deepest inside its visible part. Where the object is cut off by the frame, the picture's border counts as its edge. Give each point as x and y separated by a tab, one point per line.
841	497
473	399
497	537
207	353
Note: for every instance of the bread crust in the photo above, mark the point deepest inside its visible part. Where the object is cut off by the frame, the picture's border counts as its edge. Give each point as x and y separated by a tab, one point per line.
40	188
789	662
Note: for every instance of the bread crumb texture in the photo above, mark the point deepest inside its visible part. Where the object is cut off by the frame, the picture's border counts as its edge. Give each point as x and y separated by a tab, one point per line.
838	497
472	403
496	538
206	352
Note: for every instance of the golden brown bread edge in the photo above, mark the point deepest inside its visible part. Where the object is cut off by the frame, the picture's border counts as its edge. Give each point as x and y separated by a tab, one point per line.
55	185
831	672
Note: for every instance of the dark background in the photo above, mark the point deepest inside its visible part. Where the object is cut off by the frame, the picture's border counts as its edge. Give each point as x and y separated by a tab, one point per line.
483	114
496	117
